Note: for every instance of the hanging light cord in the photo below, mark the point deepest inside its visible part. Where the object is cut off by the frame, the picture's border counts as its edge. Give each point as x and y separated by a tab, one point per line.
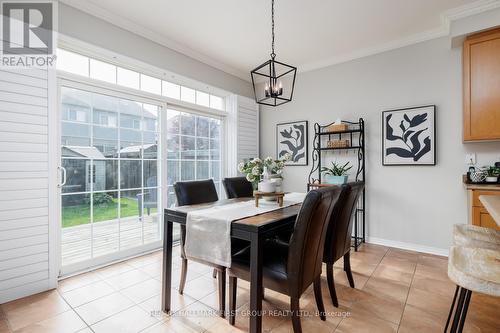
273	55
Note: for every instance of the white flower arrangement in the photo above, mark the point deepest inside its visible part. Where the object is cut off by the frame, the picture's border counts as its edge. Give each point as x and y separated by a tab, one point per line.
254	168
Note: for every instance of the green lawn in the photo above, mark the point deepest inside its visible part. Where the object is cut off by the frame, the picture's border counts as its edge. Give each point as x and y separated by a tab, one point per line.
76	215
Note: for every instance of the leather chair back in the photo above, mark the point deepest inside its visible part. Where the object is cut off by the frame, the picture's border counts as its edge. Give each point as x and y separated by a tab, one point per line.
237	187
306	245
338	236
195	192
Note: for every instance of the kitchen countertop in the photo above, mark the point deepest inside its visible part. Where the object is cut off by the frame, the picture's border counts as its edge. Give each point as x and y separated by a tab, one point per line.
473	186
492	205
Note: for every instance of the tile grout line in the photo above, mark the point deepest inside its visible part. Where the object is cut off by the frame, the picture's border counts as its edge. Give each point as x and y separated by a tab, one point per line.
408	294
385	253
71	307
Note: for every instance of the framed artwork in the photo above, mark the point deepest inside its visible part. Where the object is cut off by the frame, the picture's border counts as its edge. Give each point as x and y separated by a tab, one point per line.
409	136
292	138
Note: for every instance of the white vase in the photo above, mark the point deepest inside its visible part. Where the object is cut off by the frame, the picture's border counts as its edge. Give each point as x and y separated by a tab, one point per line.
267	186
278	182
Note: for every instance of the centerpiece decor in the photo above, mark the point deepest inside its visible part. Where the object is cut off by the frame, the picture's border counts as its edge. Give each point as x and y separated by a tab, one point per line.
269	168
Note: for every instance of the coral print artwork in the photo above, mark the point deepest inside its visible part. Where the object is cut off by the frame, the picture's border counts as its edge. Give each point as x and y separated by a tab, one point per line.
291	138
409	136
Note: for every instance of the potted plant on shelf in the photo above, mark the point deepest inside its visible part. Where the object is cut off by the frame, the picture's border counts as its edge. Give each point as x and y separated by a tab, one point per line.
336	174
492	174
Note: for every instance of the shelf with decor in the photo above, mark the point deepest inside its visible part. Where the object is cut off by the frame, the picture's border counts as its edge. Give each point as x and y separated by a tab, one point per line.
341	136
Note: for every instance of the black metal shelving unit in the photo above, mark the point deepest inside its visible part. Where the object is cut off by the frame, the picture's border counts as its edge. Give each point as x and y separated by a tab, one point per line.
356	132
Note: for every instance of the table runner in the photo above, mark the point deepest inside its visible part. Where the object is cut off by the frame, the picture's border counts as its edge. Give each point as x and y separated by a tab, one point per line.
208	230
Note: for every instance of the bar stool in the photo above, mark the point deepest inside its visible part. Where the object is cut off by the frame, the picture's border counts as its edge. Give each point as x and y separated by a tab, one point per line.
474	236
472	270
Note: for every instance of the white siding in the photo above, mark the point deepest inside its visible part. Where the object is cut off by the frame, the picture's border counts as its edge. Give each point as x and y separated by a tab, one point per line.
24	183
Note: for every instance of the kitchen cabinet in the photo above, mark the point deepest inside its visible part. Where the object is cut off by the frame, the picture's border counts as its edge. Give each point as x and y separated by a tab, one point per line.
481	70
480	215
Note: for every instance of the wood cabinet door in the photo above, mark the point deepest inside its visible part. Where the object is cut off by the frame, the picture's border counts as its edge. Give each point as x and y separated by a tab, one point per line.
483	219
482	86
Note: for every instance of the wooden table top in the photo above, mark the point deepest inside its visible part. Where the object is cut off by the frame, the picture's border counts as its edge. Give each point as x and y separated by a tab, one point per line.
492	205
257	220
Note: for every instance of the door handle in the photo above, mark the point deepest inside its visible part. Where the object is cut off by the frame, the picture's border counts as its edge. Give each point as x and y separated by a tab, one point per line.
63	170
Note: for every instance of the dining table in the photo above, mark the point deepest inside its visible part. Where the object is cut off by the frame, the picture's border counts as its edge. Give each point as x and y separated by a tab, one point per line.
254	229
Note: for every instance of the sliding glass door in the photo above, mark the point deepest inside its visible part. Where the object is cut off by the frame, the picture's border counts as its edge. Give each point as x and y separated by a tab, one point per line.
193	149
111	170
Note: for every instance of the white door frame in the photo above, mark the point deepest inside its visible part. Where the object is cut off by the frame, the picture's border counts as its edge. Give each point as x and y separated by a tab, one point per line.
93	263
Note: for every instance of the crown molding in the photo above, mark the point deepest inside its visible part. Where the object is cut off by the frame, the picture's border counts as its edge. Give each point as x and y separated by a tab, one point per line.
124	23
473	8
443	30
396	44
447	17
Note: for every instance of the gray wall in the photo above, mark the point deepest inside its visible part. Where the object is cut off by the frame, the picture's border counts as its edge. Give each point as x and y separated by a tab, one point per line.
92	30
410	204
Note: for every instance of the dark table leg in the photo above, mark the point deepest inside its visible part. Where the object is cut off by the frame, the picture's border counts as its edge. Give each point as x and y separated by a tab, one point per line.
256	284
167	267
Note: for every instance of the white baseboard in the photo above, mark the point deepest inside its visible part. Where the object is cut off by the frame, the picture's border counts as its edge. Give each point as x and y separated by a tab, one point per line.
408	246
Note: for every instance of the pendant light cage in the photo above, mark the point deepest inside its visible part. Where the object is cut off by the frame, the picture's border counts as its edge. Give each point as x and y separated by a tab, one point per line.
273	81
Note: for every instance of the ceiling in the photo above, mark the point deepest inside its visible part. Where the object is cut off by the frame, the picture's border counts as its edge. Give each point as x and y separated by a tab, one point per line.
234	35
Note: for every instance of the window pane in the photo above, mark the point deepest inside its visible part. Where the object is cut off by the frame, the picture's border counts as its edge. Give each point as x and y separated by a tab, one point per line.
171	198
202	126
72	62
150	146
105	131
150	173
171	90
150	216
130	115
173	146
111	174
214	128
215	170
150	84
127	78
202	99
188	95
214	149
172	172
188	122
202	170
187	170
202	149
75	212
173	121
102	71
187	148
75	129
130	221
105	223
216	102
130	174
77	175
150	117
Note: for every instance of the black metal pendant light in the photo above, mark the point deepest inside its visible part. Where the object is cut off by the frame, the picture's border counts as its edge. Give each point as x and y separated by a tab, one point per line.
273	81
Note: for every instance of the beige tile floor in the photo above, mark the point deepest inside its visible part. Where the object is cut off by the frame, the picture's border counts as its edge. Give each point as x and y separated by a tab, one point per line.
396	291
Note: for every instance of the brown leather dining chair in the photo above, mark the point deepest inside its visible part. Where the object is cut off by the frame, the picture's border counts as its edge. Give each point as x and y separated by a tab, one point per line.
291	268
192	193
237	187
338	236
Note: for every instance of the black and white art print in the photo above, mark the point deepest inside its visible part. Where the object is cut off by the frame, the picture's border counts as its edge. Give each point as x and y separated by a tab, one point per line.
292	138
409	136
